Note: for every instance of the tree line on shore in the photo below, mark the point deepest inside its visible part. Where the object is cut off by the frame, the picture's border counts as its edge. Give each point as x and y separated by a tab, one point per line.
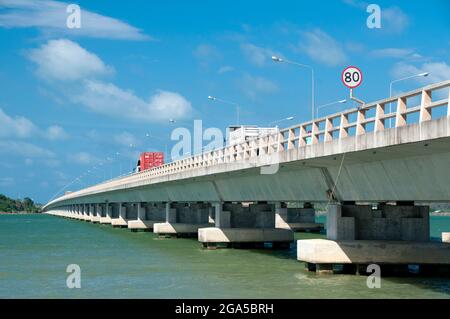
9	205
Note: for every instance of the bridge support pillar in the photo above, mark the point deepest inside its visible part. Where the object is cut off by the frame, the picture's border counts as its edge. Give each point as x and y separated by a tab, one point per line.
147	215
84	212
387	235
297	219
244	226
95	214
106	213
121	220
183	220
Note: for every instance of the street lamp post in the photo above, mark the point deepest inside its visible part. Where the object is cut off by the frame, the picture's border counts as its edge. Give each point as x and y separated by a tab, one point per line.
278	59
213	98
328	104
424	74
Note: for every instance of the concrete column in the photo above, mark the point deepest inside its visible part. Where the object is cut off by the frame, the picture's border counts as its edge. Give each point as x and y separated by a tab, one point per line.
141	212
171	213
98	210
122	211
388	222
108	209
211	215
222	218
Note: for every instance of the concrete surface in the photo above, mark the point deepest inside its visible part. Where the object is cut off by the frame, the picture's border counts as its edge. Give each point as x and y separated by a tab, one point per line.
142	224
445	237
243	235
323	251
177	228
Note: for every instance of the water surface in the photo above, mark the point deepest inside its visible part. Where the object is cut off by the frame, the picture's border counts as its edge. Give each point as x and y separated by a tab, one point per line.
116	263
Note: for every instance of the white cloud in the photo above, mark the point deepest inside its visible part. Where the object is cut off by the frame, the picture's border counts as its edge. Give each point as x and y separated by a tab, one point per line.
65	60
254	86
19	127
394	20
24	149
28	161
50	17
55	132
257	55
225	69
106	98
125	139
82	158
398	53
439	71
322	48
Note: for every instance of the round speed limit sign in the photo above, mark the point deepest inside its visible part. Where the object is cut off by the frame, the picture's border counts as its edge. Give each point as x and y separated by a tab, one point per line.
351	77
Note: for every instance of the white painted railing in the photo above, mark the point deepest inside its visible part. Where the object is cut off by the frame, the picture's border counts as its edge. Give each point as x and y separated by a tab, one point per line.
370	117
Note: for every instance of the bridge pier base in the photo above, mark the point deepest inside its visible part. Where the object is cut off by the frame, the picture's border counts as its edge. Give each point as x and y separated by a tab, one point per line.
121	220
183	220
244	227
297	219
95	214
147	215
395	237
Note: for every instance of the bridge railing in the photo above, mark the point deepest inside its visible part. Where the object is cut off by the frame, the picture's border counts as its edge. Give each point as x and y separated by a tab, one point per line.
392	112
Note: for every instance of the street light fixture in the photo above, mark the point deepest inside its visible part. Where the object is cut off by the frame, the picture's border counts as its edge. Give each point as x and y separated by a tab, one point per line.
424	74
213	98
278	59
328	104
290	118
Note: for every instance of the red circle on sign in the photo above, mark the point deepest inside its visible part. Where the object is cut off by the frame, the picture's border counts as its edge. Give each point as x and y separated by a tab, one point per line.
358	82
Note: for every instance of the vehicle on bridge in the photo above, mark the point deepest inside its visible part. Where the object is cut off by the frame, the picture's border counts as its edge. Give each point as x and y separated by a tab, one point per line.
148	160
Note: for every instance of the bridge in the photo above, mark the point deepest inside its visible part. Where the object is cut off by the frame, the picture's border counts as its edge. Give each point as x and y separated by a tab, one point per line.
376	167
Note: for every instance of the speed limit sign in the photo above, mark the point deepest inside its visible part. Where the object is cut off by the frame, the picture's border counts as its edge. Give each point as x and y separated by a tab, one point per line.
351	77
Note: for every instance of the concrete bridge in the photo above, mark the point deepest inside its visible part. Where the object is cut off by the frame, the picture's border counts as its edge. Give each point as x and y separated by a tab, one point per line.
375	179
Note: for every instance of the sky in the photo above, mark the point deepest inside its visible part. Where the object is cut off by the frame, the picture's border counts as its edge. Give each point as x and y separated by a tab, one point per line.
77	105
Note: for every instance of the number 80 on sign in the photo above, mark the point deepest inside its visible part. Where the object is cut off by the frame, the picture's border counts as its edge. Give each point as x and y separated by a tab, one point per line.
351	77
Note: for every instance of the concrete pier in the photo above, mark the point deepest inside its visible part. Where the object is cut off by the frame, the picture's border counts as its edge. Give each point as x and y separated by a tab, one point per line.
121	213
95	215
106	213
238	226
183	220
390	234
297	219
148	214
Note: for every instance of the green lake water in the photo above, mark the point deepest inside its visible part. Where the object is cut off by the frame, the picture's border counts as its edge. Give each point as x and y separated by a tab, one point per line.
116	263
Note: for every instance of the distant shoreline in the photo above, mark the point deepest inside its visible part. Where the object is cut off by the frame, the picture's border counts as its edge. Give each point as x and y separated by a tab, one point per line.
17	213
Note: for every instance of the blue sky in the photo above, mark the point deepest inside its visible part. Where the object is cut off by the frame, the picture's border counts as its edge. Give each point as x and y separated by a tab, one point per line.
71	99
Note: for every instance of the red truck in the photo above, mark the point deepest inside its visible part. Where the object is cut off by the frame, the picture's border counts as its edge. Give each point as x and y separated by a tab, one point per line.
148	160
